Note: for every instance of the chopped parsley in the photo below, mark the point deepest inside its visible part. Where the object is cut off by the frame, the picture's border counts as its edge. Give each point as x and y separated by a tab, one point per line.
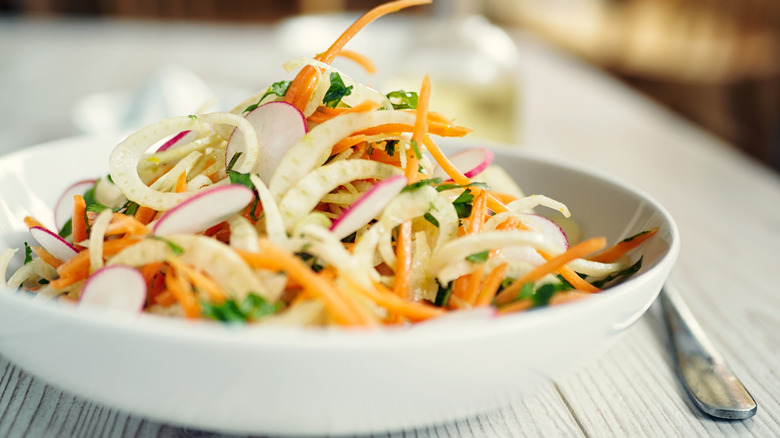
463	204
390	147
444	187
623	274
443	294
401	99
27	253
423	182
277	88
175	248
480	257
336	91
251	308
429	217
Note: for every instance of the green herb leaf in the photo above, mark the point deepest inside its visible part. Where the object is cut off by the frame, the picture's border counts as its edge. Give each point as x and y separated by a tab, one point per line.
401	99
233	161
251	308
463	204
277	88
423	182
480	257
416	149
27	253
429	217
443	294
390	147
192	116
240	178
336	91
444	187
623	274
67	229
176	249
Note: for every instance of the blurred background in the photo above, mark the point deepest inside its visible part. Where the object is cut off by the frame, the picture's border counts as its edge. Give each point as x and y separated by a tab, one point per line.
714	62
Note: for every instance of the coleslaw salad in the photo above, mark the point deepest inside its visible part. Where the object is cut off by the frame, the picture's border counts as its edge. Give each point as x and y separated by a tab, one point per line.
317	201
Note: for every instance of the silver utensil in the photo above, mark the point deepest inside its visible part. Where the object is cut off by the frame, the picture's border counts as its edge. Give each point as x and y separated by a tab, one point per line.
709	381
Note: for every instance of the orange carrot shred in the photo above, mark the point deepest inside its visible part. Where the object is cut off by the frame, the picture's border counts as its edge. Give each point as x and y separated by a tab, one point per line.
46	256
580	250
403	264
621	248
361	59
79	219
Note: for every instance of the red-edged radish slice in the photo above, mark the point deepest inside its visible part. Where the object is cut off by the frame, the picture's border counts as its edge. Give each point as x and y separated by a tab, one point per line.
54	244
470	161
178	139
63	209
204	210
115	287
368	206
279	126
552	232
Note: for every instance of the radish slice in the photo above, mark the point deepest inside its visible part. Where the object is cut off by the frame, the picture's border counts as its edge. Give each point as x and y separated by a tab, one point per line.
368	206
469	161
551	231
178	139
279	126
115	287
54	244
204	209
63	209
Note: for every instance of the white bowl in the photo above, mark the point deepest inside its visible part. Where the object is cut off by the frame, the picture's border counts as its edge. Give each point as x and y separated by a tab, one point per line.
243	379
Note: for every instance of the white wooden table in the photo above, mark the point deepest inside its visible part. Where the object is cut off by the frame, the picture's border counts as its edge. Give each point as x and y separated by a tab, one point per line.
727	208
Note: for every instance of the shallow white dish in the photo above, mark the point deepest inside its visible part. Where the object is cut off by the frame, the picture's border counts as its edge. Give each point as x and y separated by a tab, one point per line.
293	381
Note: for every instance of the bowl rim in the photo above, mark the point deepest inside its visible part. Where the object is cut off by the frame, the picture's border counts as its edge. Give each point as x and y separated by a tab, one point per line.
331	338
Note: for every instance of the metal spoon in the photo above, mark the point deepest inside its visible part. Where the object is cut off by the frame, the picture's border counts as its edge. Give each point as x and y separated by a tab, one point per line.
709	381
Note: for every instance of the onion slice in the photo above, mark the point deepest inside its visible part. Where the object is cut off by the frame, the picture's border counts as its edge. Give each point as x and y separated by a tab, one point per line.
368	206
54	244
470	161
63	209
204	209
115	287
279	126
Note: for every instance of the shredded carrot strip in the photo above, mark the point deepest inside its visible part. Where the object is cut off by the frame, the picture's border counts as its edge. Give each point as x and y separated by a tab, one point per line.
362	60
621	248
77	268
490	288
505	198
420	129
403	264
580	250
32	222
475	225
46	256
201	281
144	214
79	220
517	306
181	183
384	297
336	303
124	224
347	143
164	298
456	175
300	89
362	107
178	286
574	279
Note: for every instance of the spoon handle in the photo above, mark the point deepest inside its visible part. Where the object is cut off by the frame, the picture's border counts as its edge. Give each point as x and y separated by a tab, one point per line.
709	381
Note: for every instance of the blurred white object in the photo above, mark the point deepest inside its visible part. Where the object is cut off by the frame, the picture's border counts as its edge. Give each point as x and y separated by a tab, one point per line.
170	91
